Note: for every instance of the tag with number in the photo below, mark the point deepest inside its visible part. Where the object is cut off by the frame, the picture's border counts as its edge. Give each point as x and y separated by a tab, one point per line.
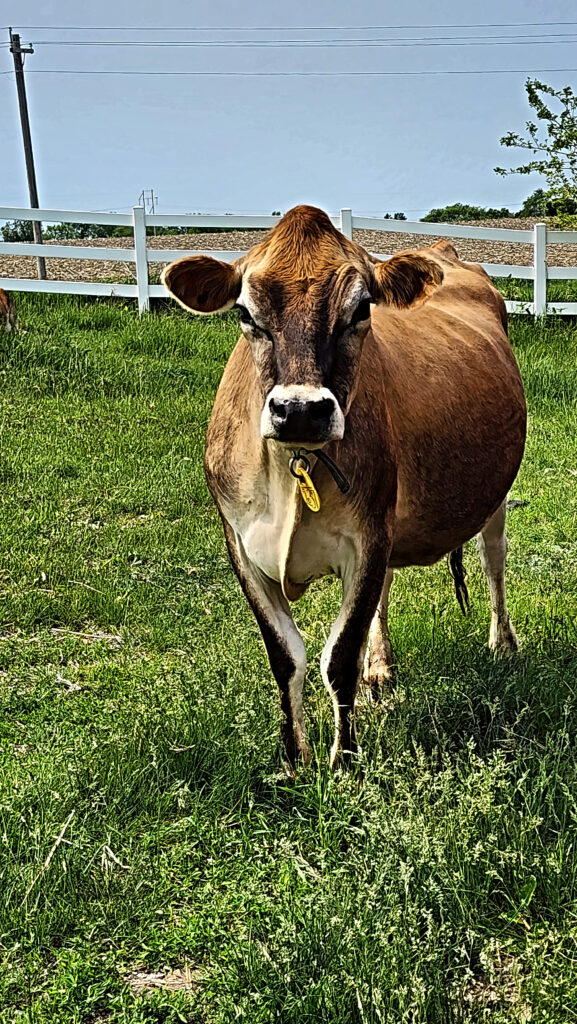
308	490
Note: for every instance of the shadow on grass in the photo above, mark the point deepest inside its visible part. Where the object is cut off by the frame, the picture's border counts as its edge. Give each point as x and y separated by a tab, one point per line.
503	703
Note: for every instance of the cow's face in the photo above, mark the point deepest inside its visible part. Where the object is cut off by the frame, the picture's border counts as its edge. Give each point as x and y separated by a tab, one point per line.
304	299
306	337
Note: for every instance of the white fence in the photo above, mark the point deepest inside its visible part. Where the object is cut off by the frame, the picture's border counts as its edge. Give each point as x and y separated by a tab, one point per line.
142	256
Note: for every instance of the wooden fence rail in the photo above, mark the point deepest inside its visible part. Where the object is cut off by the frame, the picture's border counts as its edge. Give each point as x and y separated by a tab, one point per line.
142	256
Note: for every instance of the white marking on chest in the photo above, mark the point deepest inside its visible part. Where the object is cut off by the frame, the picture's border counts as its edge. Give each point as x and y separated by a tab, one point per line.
280	536
265	535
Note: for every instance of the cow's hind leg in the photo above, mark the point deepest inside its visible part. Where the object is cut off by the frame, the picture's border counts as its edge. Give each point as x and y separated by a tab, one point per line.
283	642
492	545
343	654
380	660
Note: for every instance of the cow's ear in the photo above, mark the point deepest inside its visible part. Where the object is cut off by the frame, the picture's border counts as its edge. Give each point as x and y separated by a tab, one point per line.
405	280
203	284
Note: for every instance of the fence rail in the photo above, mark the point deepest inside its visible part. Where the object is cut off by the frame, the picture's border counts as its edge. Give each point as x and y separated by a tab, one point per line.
142	256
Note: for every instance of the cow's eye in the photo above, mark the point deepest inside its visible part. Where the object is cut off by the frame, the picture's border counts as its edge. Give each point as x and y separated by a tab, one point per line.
245	317
247	320
362	312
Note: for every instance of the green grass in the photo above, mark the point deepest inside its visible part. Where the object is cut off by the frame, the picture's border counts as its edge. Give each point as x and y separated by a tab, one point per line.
522	290
139	711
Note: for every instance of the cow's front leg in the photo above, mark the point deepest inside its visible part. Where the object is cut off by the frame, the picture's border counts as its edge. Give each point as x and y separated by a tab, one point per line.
283	642
343	654
380	659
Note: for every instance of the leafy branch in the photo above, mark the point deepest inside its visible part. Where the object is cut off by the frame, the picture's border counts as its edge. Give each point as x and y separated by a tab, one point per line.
552	140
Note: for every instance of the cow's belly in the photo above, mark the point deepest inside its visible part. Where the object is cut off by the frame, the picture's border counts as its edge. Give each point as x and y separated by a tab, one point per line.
426	529
414	544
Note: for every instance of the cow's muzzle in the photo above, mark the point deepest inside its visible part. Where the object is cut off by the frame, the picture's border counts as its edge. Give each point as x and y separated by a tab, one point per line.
302	415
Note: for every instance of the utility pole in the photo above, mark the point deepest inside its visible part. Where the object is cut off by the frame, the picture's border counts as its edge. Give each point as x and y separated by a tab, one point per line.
148	199
17	51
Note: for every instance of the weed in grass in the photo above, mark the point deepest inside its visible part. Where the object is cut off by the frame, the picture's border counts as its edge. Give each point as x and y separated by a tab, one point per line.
137	705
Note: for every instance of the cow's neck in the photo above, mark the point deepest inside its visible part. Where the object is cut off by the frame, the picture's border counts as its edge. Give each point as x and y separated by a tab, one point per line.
284	503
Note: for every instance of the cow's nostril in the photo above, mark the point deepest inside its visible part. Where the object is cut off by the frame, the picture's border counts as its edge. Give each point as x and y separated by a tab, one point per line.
302	415
278	409
322	410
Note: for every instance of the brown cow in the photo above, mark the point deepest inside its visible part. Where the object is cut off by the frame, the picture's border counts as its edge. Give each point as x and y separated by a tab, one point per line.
7	312
418	402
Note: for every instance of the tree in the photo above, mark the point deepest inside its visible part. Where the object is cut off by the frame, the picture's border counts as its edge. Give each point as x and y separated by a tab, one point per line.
553	143
463	211
64	232
18	231
394	216
540	204
535	205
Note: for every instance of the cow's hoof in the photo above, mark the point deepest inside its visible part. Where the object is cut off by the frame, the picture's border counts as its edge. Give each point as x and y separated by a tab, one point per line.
347	760
503	640
378	680
294	754
344	751
379	667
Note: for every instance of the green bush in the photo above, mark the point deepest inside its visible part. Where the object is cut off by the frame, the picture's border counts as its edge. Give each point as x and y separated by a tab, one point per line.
18	231
463	211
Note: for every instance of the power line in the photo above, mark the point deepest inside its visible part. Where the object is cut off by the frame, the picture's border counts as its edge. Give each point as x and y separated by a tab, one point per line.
284	28
311	44
305	74
115	208
349	39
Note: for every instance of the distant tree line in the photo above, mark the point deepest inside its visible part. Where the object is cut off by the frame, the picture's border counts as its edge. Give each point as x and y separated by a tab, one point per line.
21	231
538	204
464	211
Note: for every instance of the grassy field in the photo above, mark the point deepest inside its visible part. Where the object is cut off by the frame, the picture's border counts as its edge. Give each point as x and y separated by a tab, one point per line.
148	835
517	288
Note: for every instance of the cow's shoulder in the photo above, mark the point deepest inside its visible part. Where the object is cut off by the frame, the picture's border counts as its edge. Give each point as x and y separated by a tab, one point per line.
234	421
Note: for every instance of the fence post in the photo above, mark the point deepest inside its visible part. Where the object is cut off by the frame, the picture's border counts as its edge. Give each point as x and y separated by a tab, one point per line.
540	268
347	222
139	228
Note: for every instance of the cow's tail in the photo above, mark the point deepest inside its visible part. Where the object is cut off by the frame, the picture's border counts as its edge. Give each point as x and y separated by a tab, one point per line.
459	577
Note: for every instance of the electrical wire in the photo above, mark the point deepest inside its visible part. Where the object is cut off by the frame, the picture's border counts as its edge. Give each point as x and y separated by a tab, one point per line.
301	74
283	28
263	42
333	44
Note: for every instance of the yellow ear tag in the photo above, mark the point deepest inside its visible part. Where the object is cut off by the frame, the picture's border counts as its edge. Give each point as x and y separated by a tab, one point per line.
309	493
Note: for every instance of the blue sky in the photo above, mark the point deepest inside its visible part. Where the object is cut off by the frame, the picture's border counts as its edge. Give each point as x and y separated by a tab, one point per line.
249	144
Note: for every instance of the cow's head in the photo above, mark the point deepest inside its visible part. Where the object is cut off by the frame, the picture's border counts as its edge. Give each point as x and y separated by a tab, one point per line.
304	297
